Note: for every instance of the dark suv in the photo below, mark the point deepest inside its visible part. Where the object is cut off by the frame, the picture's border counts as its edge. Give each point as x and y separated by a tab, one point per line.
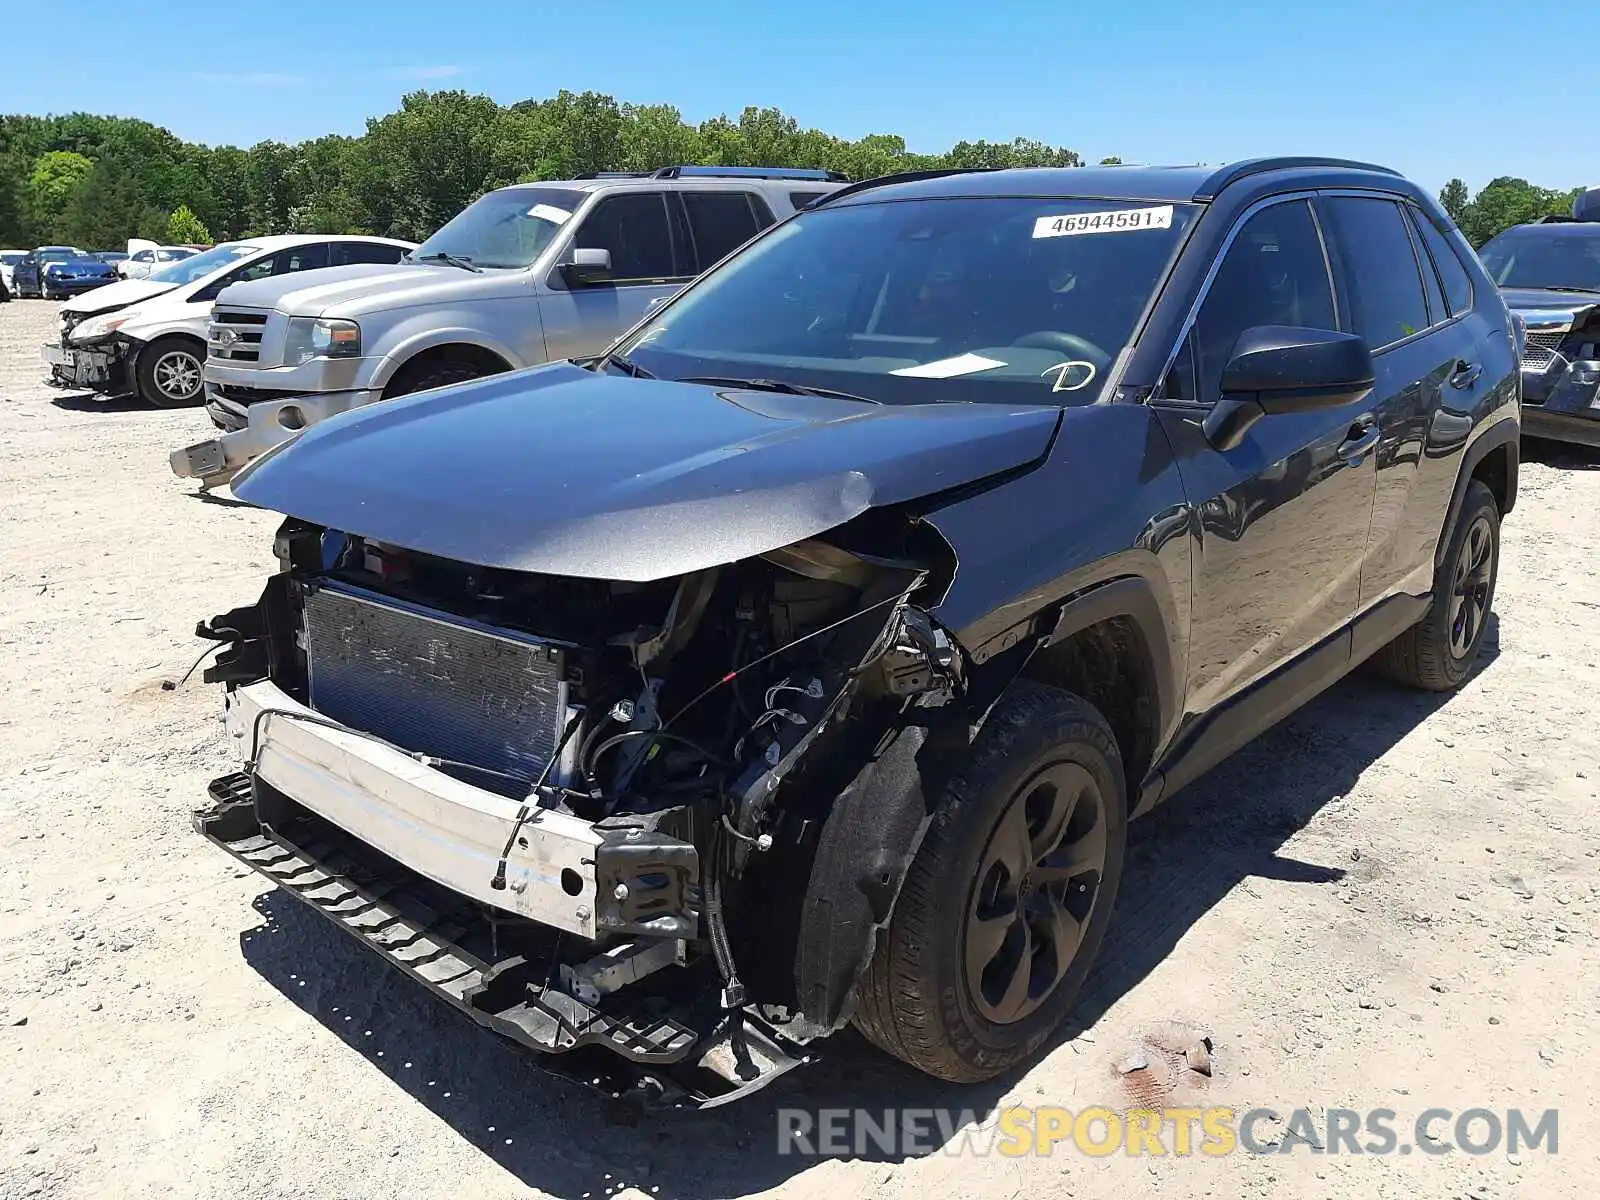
804	658
1549	275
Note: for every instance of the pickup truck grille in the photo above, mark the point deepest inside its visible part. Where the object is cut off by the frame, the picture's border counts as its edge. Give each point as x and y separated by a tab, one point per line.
1541	348
234	336
426	683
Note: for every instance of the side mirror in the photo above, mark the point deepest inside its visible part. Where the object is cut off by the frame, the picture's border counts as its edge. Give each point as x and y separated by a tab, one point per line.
1284	369
588	266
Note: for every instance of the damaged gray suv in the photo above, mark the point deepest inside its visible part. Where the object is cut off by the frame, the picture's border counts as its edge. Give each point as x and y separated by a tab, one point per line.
803	659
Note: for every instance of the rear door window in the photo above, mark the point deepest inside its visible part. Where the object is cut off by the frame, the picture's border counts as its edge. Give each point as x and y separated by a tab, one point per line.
344	253
310	257
1378	268
632	226
801	199
720	222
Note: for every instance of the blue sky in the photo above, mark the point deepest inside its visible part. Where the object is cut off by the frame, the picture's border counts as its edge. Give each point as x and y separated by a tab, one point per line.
1430	87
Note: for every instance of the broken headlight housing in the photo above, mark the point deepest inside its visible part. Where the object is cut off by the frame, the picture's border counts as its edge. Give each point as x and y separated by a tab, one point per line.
321	337
94	328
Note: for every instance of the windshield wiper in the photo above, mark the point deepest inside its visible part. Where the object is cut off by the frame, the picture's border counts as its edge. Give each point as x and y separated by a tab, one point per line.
454	260
623	365
775	385
1561	287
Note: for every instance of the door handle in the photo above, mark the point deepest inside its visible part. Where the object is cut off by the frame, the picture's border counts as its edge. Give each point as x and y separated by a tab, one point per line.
1363	436
1465	375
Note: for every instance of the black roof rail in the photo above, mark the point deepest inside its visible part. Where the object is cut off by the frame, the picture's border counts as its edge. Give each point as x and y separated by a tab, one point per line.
897	177
1559	219
1234	172
799	174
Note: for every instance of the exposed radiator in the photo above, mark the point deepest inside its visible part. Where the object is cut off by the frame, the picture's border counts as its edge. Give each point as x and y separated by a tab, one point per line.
433	685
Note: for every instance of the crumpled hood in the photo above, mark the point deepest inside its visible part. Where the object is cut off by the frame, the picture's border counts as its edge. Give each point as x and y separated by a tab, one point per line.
1538	304
561	471
116	295
314	293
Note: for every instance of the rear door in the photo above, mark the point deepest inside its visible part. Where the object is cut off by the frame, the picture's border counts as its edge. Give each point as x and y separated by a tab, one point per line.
1284	514
1422	357
716	223
647	265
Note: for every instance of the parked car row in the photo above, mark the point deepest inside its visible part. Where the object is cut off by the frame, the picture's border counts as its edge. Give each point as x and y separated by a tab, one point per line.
54	272
148	336
795	650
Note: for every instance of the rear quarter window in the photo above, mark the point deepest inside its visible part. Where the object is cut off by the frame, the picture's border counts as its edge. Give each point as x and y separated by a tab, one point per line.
1457	283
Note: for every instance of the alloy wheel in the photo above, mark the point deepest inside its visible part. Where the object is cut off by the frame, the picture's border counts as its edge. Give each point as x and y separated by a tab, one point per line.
1037	884
1469	590
177	375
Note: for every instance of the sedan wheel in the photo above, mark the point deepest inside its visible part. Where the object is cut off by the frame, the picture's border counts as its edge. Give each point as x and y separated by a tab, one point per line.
169	373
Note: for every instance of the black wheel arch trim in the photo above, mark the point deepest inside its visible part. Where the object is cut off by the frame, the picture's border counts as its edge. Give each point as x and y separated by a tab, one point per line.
1506	434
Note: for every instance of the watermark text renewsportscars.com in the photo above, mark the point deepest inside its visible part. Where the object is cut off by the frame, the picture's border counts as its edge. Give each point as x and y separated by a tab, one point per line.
1210	1132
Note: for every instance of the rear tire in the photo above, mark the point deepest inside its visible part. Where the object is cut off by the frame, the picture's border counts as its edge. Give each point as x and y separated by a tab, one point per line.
1007	901
168	373
1437	653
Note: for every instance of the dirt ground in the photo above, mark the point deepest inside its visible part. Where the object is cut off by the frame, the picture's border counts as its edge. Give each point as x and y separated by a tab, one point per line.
1389	902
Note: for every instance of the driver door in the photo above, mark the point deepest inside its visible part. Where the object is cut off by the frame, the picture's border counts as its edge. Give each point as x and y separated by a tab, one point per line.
647	266
1284	514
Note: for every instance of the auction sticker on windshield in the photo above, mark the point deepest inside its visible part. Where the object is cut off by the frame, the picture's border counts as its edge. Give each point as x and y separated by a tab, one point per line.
1104	222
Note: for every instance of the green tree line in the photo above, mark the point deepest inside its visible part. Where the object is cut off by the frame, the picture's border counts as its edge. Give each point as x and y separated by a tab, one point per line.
96	181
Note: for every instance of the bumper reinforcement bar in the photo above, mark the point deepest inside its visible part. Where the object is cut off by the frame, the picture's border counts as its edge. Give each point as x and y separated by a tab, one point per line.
424	930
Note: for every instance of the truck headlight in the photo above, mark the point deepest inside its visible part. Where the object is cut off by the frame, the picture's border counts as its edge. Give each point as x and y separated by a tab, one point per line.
321	337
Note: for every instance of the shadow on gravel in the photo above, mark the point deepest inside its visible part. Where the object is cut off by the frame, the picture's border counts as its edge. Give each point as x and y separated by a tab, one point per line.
218	500
94	402
559	1138
1562	455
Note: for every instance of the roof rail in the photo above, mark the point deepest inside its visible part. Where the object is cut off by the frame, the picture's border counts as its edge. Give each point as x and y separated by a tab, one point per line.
614	175
898	177
1234	172
795	173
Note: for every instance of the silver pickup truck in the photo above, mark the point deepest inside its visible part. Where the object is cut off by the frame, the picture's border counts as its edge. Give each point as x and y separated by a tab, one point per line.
523	275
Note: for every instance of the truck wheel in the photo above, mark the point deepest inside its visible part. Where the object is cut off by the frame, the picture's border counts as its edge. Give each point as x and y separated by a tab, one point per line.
1006	903
426	374
1437	652
168	374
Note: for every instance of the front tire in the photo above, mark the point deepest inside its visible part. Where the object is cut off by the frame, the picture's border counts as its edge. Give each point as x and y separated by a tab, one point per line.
168	374
430	373
1437	653
1007	901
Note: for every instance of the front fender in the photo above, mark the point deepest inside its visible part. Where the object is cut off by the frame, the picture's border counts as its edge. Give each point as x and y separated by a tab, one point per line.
396	356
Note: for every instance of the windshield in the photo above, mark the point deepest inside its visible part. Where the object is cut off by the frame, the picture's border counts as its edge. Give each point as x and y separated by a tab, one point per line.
1545	256
994	299
508	228
58	254
200	265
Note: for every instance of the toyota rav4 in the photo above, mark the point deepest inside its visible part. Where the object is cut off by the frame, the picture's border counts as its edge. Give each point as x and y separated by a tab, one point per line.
802	659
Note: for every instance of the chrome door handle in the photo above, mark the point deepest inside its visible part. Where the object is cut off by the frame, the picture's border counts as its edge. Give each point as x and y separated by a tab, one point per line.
1363	436
1466	374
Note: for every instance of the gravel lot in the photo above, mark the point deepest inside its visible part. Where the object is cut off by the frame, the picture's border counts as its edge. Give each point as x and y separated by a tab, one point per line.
1391	901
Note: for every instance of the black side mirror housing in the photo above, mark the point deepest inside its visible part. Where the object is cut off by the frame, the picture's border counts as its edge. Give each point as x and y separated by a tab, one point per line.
1285	369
